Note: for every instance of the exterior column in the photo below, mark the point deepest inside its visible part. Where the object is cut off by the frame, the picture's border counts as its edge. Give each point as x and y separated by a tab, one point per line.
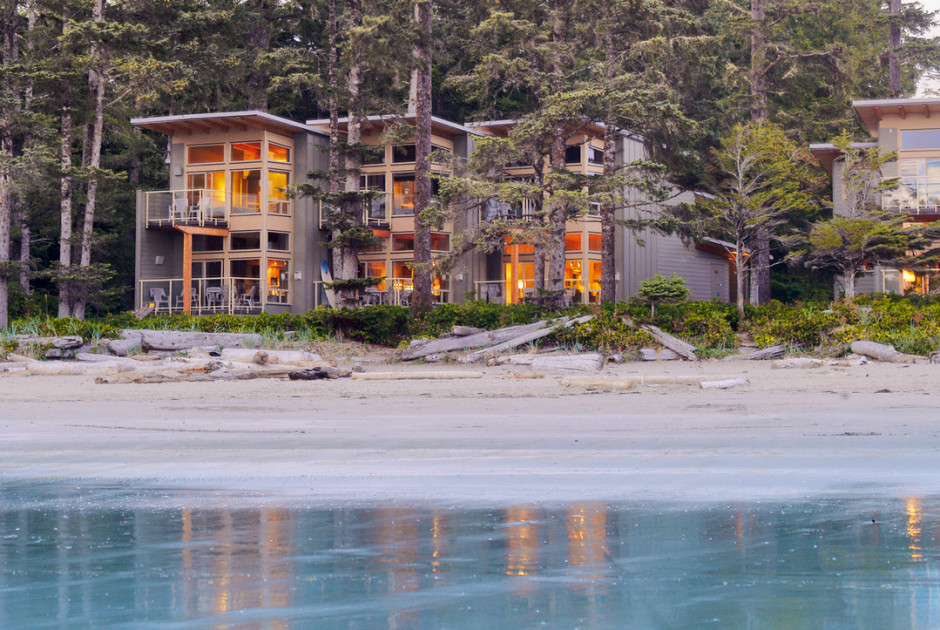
513	293
187	273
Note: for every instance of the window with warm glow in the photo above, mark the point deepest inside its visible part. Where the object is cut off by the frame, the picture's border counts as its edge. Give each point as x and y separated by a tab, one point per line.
403	195
246	151
278	153
278	281
205	154
440	242
403	242
572	242
594	242
246	191
374	270
278	182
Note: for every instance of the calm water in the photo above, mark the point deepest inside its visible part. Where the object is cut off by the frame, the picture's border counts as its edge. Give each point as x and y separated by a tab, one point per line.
78	557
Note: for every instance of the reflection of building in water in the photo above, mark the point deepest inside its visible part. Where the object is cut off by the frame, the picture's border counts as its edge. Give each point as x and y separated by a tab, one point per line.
396	535
587	539
522	541
914	527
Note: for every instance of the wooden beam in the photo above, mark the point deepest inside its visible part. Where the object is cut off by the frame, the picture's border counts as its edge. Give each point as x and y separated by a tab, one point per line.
176	127
513	274
878	113
902	111
215	124
926	111
199	126
256	125
206	231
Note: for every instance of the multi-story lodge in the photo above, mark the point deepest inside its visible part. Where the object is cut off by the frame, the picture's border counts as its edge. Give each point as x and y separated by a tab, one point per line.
909	127
227	236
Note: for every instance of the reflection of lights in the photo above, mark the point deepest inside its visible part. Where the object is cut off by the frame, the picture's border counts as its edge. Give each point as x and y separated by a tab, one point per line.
908	276
914	520
523	542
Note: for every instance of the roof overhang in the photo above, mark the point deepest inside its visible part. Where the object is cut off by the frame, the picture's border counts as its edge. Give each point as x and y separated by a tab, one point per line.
503	127
439	126
827	153
187	124
872	111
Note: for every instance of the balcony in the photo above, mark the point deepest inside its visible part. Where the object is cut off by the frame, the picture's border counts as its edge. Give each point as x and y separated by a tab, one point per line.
210	295
914	196
493	210
202	208
375	214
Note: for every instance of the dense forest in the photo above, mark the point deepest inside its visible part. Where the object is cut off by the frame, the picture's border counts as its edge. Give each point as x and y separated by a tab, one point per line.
679	73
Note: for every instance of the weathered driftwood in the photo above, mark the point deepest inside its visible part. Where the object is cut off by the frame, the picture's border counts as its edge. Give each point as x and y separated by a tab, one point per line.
661	354
466	331
487	338
281	357
773	352
176	340
724	384
124	347
62	343
524	338
880	351
317	373
682	379
935	357
590	362
406	376
70	368
683	349
595	384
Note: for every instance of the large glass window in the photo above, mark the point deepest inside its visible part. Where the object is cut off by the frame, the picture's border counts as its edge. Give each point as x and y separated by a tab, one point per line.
918	190
278	182
595	155
440	242
246	280
278	280
205	154
203	243
572	242
373	270
377	207
245	240
246	151
246	191
278	153
207	194
913	139
403	191
403	242
373	155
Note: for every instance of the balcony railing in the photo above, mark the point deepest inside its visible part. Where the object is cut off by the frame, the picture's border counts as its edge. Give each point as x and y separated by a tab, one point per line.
209	295
395	291
493	210
168	208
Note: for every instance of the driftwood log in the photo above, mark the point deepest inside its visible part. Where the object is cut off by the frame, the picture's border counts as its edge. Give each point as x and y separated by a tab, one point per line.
683	349
591	362
487	338
405	376
525	337
879	351
724	384
773	352
174	340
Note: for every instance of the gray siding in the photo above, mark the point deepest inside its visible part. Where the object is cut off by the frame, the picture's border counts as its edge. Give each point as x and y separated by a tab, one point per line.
308	250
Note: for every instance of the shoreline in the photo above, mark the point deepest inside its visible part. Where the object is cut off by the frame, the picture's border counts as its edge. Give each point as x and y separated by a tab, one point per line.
791	434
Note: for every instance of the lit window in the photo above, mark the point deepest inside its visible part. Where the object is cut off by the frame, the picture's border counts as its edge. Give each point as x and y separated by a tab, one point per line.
246	151
277	153
205	154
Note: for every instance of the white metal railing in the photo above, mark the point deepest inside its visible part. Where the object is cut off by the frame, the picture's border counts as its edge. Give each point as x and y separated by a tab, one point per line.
246	204
395	291
209	295
186	207
493	210
375	213
574	287
280	206
914	195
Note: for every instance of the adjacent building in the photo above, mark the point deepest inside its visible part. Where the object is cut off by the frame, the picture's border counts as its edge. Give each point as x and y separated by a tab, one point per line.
909	127
228	237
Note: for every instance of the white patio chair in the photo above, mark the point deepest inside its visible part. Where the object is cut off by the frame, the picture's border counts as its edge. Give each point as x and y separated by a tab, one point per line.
248	299
159	298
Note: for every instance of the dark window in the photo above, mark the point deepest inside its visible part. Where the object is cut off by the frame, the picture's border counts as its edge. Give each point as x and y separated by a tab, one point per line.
203	243
403	242
573	154
403	154
374	155
595	155
246	240
279	241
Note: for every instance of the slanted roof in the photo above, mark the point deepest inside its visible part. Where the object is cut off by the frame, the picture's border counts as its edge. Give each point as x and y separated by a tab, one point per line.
503	127
872	111
826	152
439	126
221	121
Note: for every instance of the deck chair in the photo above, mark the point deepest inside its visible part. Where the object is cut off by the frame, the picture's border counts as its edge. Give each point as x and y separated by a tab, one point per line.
248	299
159	298
180	210
214	298
494	293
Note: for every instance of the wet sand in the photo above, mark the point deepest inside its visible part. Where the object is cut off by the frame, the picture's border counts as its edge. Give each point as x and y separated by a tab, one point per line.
865	430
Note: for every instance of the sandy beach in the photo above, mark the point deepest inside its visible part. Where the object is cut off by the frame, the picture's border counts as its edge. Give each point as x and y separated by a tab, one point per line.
514	435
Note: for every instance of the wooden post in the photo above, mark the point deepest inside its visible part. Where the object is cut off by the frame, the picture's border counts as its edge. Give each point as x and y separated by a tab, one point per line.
187	273
512	296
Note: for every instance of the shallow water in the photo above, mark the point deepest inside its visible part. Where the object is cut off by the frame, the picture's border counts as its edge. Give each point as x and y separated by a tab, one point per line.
98	557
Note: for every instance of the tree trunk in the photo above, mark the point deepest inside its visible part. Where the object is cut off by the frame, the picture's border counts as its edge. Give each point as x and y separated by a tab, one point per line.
758	62
608	235
555	282
9	105
333	106
65	207
739	273
894	65
760	267
25	251
352	207
421	296
848	283
96	89
538	247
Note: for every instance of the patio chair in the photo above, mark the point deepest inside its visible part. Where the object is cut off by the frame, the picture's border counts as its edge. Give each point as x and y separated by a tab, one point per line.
214	298
405	298
374	296
159	298
494	293
248	299
180	210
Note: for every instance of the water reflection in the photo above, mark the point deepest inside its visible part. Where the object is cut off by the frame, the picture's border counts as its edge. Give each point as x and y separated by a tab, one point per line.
830	564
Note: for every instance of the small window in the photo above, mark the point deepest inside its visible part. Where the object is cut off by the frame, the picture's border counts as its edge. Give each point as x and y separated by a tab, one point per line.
277	153
403	154
573	154
372	155
572	242
440	242
203	243
403	242
594	242
245	240
205	154
595	156
279	241
920	139
372	182
246	151
403	195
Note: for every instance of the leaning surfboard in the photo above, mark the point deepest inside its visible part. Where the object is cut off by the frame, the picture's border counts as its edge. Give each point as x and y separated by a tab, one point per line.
327	278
